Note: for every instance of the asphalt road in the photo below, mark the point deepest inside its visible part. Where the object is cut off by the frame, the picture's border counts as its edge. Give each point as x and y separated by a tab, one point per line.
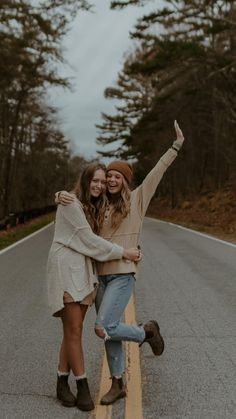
187	282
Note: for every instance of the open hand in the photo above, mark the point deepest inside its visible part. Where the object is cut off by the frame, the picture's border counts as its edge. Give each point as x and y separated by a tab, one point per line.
66	198
179	136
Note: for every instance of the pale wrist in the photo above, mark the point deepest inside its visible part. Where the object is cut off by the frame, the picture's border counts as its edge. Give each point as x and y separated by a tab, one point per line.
177	145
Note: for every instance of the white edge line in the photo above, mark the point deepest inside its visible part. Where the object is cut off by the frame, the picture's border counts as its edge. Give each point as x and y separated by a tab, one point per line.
25	238
194	231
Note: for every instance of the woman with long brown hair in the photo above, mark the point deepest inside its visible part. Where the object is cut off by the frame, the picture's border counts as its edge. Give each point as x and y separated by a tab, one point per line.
72	279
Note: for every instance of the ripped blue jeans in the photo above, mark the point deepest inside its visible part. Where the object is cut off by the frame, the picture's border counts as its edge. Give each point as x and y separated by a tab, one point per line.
112	297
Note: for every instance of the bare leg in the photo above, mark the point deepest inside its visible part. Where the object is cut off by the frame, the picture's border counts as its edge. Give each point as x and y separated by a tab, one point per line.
71	351
72	356
63	365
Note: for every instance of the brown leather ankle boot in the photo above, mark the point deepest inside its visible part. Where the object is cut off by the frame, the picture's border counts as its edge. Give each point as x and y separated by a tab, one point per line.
153	337
64	393
117	391
84	399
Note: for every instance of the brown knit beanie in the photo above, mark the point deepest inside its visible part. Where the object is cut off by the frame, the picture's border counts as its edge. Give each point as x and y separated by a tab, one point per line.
122	167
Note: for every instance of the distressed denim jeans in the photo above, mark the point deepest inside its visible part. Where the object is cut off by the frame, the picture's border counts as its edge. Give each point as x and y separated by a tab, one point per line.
112	297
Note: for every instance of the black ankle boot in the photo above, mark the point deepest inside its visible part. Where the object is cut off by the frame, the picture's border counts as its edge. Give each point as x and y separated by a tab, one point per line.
153	337
84	400
117	391
64	393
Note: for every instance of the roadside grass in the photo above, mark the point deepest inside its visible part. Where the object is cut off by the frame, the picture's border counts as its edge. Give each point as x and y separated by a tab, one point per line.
13	234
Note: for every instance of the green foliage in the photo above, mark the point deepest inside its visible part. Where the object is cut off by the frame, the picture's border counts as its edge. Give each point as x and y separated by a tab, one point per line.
11	237
122	4
183	68
34	153
166	52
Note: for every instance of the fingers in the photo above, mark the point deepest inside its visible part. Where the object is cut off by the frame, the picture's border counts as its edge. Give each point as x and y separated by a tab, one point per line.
177	128
66	198
136	255
139	255
178	131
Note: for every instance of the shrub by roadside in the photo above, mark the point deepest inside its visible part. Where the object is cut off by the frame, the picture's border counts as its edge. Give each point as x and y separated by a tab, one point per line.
13	234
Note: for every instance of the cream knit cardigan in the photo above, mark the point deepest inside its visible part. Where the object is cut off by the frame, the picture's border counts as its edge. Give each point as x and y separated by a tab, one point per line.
69	266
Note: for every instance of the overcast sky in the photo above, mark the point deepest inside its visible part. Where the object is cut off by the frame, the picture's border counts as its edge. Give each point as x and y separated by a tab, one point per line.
94	49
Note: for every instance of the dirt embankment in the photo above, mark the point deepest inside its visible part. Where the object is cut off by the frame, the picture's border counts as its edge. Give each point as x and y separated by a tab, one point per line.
211	212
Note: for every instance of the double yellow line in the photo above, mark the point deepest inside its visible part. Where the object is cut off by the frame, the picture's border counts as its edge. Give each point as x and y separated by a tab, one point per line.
133	401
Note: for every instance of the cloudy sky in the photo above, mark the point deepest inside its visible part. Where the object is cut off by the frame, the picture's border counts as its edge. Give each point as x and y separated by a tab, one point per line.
94	49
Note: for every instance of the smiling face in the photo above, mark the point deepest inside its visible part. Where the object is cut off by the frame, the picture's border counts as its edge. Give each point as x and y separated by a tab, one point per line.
98	183
114	182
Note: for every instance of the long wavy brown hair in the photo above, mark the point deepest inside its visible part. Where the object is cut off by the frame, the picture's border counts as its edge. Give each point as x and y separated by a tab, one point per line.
121	204
94	208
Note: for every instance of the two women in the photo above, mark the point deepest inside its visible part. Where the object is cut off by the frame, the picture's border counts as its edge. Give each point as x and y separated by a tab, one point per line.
122	225
72	278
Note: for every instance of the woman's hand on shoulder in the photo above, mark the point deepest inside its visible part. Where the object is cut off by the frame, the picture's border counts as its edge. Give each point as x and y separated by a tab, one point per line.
133	254
65	198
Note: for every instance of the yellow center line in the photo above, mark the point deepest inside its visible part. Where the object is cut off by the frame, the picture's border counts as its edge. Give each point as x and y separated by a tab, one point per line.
133	401
103	412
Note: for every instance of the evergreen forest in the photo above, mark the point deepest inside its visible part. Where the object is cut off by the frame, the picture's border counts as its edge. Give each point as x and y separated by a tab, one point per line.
183	68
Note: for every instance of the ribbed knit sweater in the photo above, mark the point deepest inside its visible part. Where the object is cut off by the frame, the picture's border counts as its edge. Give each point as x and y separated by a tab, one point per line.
128	232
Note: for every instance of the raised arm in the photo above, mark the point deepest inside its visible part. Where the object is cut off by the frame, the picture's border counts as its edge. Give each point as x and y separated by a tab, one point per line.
148	187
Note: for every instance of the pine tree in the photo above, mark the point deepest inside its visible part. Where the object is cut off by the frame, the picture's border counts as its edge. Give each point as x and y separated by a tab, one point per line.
30	37
190	62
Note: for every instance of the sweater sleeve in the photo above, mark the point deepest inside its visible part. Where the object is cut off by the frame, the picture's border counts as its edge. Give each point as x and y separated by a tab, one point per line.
148	187
80	237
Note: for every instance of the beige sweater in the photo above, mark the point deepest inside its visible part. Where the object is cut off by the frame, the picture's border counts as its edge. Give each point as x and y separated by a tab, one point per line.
128	232
69	266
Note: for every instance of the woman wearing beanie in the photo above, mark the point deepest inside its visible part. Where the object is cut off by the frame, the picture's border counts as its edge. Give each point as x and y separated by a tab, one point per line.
122	225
